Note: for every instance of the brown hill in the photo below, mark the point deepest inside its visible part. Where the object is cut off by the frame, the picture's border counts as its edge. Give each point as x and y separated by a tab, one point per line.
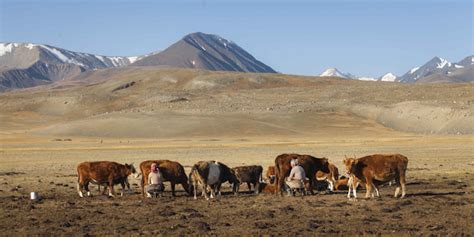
168	103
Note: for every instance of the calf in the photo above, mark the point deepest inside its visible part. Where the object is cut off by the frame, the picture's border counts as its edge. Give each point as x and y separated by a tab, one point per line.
309	163
330	177
270	175
103	172
172	171
250	175
374	170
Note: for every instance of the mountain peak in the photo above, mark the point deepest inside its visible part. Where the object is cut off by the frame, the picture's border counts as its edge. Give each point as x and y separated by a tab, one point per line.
333	72
206	51
388	77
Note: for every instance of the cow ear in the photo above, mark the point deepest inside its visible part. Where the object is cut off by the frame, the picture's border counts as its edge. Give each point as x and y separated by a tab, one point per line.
126	164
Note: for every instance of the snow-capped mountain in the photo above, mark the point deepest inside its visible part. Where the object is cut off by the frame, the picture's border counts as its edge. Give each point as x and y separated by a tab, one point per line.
334	72
388	77
436	70
436	66
26	64
206	51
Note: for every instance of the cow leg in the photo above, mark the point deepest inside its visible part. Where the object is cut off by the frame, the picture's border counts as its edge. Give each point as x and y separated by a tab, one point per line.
86	187
248	185
312	182
403	183
172	183
111	187
257	187
204	190
368	186
195	190
123	189
236	188
331	185
79	188
376	191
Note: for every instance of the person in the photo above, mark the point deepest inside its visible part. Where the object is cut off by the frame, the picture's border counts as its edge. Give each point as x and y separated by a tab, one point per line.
155	181
296	179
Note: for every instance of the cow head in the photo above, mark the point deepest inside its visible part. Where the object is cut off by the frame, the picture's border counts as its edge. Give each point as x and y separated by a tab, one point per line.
234	180
349	163
131	170
324	165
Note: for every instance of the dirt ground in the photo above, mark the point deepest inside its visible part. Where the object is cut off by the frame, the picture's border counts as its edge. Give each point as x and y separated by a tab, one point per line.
440	196
237	119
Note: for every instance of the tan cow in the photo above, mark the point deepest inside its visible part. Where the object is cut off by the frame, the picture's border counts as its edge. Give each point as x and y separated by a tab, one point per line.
103	172
330	177
270	175
172	171
374	170
309	163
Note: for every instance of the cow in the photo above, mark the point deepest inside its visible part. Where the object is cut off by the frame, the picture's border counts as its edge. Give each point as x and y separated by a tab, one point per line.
210	175
103	172
309	163
267	188
377	169
270	175
250	175
127	184
330	177
172	171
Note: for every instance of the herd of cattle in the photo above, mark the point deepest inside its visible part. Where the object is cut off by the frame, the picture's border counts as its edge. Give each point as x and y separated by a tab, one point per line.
372	171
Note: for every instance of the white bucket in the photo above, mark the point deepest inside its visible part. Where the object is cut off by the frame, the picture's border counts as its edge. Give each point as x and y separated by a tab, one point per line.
33	196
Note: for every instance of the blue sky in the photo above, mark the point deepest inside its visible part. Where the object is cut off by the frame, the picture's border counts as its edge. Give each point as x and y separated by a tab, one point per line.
295	37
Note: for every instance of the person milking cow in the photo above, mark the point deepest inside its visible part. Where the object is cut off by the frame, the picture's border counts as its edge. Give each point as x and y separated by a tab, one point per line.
155	182
296	179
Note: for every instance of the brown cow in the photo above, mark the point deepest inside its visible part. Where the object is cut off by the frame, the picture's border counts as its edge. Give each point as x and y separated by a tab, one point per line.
270	175
103	172
250	175
267	188
330	177
210	175
377	169
309	163
172	171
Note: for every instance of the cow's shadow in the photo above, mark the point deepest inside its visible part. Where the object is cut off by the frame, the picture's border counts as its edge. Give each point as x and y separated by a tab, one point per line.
429	193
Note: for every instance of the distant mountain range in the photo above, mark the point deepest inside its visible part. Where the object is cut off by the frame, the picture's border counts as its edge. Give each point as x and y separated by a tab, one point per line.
435	70
26	65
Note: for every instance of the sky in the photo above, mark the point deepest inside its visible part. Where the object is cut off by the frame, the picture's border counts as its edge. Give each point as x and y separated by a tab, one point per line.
365	38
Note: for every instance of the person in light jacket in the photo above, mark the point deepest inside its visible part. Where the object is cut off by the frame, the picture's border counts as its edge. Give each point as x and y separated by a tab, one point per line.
296	178
155	182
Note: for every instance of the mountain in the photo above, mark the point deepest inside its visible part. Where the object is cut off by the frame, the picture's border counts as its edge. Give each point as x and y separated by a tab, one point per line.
439	70
388	77
334	72
25	64
206	51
